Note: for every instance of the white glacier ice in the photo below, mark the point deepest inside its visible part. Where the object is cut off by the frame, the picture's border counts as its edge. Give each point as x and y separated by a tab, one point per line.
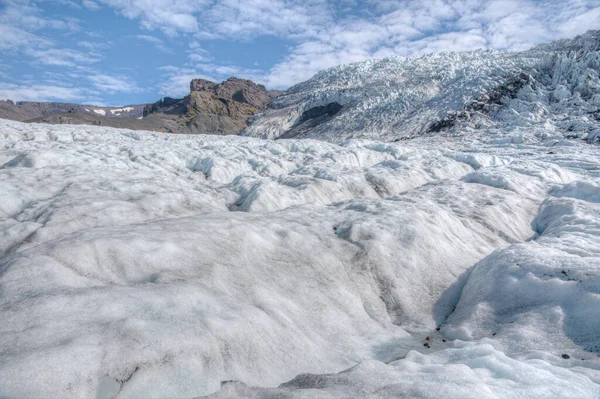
460	263
137	264
555	85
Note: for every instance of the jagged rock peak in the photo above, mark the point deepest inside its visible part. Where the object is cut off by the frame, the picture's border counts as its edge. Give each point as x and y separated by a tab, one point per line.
201	85
213	108
236	89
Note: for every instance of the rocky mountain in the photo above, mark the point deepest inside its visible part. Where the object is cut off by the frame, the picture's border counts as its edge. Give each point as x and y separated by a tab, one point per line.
210	108
25	111
219	108
395	98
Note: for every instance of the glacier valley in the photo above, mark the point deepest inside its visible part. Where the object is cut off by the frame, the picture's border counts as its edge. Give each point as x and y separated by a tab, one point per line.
456	263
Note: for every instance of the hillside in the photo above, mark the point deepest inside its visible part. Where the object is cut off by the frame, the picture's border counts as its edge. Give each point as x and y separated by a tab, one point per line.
156	122
27	110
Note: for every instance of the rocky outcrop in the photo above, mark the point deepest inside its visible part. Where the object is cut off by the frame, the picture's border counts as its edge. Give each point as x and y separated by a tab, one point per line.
215	108
239	90
163	104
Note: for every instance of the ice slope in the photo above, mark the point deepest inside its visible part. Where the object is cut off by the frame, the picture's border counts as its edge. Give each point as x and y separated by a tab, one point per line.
554	85
136	264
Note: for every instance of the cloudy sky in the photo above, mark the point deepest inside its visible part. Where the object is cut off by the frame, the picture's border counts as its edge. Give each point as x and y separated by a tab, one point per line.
117	52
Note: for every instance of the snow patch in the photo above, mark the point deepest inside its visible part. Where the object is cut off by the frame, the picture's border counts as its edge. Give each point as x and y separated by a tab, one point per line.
118	111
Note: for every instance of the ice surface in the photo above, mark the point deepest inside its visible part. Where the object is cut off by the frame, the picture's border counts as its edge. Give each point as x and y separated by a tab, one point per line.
138	264
463	371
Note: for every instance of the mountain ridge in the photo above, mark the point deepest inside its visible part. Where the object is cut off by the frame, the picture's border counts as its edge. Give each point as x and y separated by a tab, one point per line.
24	111
210	108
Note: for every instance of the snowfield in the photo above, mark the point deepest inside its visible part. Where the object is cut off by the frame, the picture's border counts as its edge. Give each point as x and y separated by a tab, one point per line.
138	264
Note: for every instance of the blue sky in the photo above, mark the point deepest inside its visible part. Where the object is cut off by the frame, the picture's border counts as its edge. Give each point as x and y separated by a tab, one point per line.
117	52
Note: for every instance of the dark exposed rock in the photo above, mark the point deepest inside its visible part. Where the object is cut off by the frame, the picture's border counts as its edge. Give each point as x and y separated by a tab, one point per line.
443	124
240	90
484	104
495	96
215	108
160	105
312	118
201	85
315	112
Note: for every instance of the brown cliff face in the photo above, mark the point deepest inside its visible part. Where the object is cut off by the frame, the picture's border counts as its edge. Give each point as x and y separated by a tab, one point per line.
215	108
224	108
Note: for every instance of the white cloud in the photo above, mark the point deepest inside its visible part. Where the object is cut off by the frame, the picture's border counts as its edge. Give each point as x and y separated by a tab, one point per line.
113	84
90	5
228	18
290	18
578	24
170	16
197	54
94	46
194	57
159	44
63	57
413	28
26	15
36	92
21	21
14	38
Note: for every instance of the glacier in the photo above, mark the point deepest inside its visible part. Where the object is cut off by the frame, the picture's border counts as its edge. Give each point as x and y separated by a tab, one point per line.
555	85
382	260
137	264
